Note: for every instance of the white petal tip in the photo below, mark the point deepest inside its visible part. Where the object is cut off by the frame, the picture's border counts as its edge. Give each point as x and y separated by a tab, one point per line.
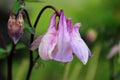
84	63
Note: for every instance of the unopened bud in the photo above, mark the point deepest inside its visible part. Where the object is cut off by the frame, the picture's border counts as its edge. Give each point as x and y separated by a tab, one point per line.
91	35
15	27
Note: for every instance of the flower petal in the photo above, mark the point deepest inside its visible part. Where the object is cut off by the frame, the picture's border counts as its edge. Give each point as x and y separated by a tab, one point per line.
63	51
79	47
36	42
48	41
69	24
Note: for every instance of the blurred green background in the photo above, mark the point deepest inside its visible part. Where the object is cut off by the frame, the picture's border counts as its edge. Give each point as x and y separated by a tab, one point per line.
100	29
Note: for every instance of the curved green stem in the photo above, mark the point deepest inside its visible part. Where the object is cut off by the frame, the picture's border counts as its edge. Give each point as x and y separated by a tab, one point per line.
43	9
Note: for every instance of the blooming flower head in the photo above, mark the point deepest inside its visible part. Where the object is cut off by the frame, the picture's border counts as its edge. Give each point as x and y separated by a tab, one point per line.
62	41
15	27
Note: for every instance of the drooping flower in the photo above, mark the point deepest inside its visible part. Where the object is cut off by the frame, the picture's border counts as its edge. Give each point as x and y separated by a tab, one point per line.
70	42
62	41
15	27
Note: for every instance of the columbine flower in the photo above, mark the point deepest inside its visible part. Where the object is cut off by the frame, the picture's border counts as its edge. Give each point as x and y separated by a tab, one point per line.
62	41
15	27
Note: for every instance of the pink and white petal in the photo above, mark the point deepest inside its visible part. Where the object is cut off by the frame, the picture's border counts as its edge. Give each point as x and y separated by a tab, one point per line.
63	51
76	28
48	41
52	22
79	47
80	50
47	46
69	25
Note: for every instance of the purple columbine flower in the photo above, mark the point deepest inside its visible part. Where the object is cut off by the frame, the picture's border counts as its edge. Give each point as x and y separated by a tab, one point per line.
62	41
15	27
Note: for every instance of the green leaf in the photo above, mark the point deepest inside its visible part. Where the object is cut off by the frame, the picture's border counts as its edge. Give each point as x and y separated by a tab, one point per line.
9	47
29	29
16	6
3	53
20	46
2	50
7	50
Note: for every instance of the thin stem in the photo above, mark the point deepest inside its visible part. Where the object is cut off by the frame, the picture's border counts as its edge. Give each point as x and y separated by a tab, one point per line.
40	13
9	62
31	64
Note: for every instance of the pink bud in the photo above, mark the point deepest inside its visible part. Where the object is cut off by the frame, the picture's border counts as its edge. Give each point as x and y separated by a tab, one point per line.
91	35
15	27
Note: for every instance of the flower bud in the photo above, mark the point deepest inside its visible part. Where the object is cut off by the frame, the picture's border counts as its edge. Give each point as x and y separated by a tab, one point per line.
15	27
91	35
